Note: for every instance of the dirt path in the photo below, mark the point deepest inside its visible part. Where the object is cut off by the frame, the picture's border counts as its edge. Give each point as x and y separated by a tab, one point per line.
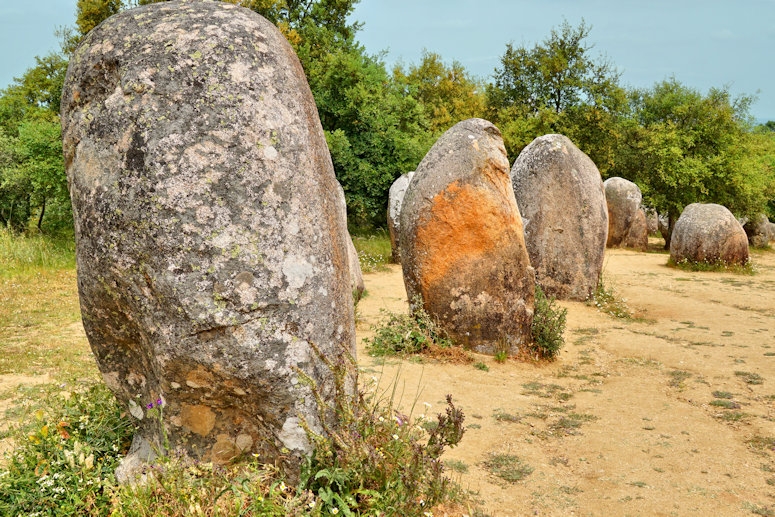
631	419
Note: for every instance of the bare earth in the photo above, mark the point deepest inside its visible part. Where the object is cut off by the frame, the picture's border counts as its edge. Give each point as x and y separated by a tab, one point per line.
622	423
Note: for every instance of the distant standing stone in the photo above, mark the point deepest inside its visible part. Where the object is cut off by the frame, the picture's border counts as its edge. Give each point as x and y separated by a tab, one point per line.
626	221
395	200
760	231
462	246
709	233
211	249
560	195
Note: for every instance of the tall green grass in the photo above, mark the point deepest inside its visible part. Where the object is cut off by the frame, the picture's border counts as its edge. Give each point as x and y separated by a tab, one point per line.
21	253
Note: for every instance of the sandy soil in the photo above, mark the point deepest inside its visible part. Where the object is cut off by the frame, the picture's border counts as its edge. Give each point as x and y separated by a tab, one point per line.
626	421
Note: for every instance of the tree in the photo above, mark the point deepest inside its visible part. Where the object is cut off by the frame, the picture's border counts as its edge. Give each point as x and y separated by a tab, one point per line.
557	87
374	132
448	94
684	147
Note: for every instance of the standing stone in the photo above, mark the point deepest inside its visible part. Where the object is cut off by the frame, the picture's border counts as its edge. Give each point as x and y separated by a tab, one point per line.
462	246
638	234
760	231
395	200
626	221
356	273
708	233
211	250
560	195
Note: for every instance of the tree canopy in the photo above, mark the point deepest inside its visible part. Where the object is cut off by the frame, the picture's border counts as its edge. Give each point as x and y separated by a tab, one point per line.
679	145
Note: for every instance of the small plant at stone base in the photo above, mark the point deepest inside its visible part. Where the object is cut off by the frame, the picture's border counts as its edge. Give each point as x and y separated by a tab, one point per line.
376	460
65	455
606	301
407	333
548	326
501	356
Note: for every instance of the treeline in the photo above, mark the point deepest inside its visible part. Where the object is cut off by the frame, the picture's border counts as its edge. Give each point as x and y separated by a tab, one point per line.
678	144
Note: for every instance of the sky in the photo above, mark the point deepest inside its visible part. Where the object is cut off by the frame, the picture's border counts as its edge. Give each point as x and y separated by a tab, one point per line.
702	43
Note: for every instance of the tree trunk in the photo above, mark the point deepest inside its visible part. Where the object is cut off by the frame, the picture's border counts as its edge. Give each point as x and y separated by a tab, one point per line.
668	235
42	212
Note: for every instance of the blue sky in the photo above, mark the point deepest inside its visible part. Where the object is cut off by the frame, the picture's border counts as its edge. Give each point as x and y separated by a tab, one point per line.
703	43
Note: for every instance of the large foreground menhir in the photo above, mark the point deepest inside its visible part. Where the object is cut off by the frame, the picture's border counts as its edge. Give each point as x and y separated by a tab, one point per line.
211	246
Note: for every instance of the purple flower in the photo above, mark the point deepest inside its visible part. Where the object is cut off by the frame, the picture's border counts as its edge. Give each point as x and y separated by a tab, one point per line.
150	405
158	402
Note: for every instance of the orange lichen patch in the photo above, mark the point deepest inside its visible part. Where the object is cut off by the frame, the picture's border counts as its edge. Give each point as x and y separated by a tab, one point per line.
199	419
465	223
199	378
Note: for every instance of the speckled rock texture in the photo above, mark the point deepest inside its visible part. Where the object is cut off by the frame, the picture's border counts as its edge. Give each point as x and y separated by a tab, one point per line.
211	250
462	246
560	195
395	200
708	233
760	231
626	221
357	286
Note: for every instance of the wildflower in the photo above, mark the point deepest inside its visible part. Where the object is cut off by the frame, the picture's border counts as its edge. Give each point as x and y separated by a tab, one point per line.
395	437
149	405
158	402
334	510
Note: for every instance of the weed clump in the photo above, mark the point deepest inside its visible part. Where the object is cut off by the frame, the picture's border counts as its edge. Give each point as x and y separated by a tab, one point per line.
548	326
605	299
376	459
65	455
407	334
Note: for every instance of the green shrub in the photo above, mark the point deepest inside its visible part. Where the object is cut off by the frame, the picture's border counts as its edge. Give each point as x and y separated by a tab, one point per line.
378	461
407	334
548	326
65	454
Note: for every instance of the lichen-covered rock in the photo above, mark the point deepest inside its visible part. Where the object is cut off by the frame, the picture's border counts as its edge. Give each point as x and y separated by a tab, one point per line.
211	251
626	221
560	195
462	246
395	200
708	233
760	231
561	198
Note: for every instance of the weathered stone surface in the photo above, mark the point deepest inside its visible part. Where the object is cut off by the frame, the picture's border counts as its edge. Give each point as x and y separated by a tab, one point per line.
638	234
211	250
395	200
626	221
560	195
652	220
356	273
462	246
708	233
760	231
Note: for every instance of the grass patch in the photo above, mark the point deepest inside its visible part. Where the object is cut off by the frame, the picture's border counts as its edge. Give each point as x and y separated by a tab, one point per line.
750	378
725	404
502	416
31	253
507	467
456	466
677	378
570	423
606	301
374	250
722	394
722	267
